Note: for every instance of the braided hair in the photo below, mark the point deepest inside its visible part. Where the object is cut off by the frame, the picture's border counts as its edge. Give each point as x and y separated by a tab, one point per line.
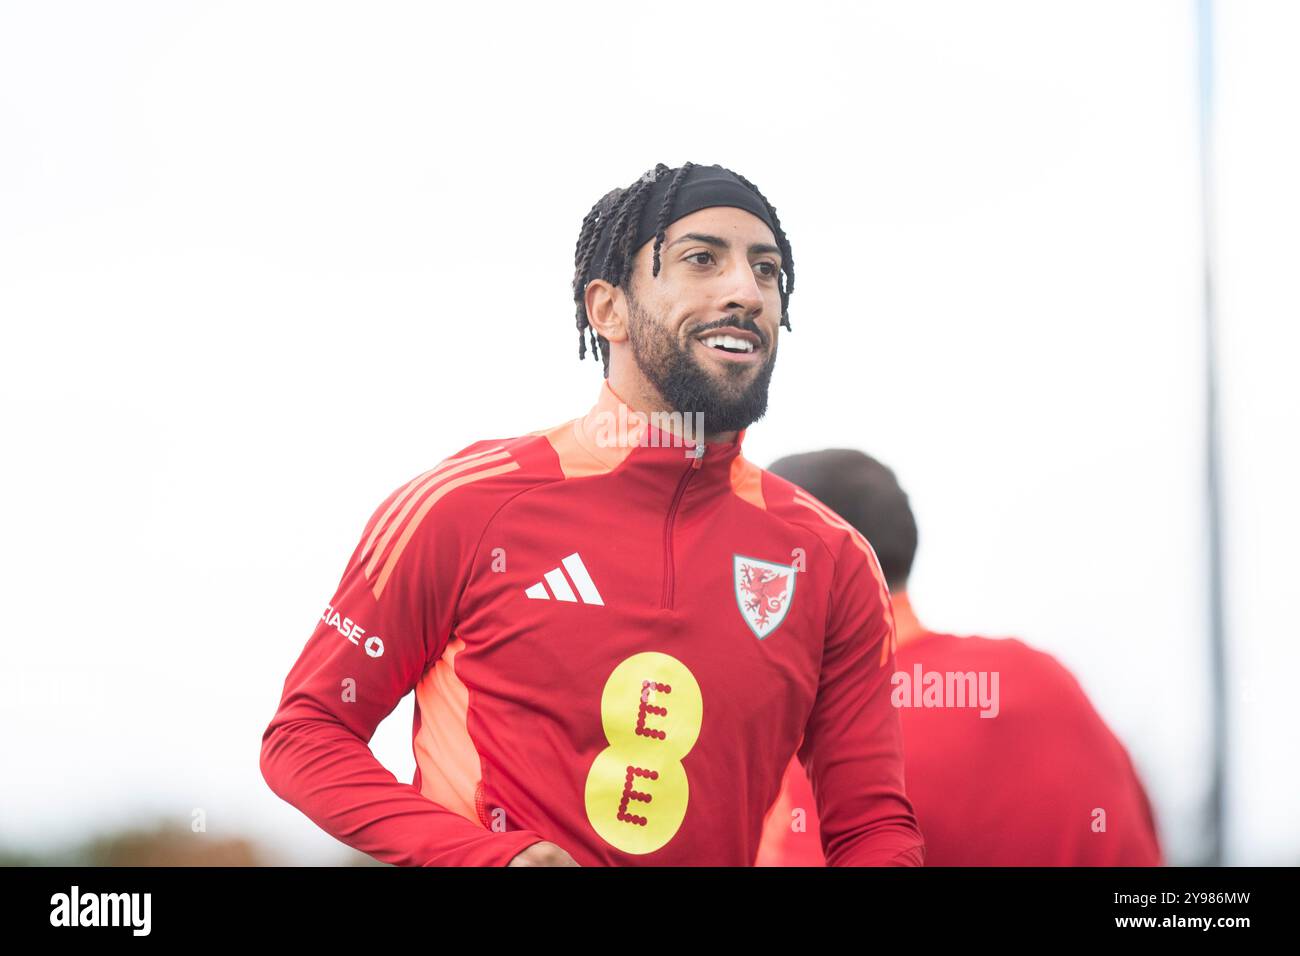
620	210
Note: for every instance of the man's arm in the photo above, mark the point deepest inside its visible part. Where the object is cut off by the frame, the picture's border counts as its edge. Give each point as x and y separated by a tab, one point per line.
853	746
387	623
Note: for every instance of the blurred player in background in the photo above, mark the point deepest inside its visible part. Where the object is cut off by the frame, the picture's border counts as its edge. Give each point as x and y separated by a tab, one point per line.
1005	760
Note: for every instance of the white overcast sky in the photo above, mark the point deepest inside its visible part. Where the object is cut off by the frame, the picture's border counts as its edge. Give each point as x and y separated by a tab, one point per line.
262	262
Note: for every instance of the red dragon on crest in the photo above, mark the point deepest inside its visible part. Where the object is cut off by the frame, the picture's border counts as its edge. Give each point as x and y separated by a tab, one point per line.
766	590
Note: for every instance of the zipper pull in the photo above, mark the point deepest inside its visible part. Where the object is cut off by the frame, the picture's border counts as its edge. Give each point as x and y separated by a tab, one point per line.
698	454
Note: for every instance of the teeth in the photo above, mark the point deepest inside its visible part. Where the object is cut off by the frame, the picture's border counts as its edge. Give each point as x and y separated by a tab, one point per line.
729	341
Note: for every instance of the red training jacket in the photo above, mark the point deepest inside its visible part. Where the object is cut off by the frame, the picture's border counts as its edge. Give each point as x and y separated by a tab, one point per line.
616	641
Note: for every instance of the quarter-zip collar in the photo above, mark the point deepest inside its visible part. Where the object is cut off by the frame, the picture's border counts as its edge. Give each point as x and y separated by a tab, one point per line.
619	437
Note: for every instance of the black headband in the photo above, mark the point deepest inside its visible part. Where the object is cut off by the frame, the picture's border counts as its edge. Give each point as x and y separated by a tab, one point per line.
701	187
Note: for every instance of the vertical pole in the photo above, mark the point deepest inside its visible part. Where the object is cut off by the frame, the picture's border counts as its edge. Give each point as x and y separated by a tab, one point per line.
1213	489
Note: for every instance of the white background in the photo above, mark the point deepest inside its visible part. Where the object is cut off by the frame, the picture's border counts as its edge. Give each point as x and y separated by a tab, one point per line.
262	262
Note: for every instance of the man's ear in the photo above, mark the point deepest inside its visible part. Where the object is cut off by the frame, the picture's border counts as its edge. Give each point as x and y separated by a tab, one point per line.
607	310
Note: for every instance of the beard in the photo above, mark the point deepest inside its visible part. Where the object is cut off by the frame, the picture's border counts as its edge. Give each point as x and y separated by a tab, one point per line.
730	399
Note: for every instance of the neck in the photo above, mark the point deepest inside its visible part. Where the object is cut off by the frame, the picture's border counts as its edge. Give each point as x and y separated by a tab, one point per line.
639	395
612	433
906	626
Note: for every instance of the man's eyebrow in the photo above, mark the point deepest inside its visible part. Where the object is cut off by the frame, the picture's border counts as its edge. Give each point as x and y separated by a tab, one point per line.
720	243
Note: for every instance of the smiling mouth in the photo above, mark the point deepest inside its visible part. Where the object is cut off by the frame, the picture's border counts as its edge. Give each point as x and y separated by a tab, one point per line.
732	357
729	343
733	345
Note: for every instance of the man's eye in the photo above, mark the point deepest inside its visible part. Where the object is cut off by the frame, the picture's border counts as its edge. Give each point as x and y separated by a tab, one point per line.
773	269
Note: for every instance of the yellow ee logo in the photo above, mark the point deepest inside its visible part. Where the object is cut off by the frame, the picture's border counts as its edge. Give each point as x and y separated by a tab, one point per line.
637	792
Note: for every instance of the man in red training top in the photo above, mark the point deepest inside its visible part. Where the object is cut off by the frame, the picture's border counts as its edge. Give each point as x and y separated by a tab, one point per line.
618	629
1007	763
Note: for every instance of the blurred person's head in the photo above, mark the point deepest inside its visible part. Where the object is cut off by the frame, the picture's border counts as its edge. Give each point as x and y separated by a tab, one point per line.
864	493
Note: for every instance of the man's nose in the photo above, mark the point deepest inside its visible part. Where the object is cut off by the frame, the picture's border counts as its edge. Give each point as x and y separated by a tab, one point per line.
743	291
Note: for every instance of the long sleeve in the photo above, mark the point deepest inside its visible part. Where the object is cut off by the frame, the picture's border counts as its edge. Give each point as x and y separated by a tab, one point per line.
389	620
852	748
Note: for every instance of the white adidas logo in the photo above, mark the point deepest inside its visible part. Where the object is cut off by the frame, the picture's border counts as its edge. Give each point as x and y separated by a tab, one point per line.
560	584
